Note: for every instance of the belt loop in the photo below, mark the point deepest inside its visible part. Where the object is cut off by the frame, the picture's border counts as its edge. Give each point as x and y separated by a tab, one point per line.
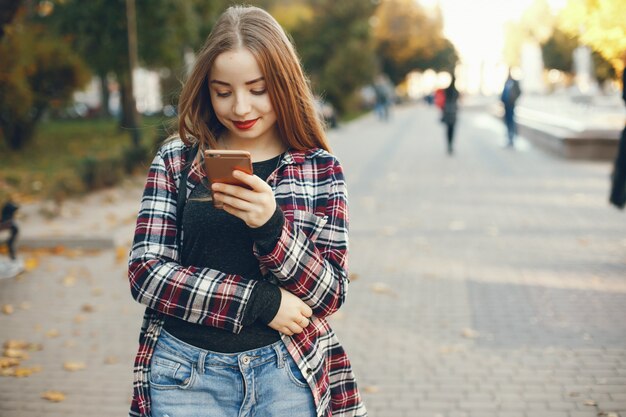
200	362
280	358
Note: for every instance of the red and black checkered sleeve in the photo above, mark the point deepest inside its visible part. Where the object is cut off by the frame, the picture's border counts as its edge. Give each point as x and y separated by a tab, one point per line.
157	280
310	258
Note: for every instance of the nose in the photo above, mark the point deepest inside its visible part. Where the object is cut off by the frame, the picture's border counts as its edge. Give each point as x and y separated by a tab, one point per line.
242	105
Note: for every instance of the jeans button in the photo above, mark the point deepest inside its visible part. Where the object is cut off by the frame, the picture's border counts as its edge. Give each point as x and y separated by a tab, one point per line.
245	360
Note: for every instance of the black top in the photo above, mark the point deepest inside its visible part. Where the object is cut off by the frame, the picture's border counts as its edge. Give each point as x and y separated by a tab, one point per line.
218	240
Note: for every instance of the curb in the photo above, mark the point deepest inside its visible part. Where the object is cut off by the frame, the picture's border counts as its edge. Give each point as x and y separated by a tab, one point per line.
71	242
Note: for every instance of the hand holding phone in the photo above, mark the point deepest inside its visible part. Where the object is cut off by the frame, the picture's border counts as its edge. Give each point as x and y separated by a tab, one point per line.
220	164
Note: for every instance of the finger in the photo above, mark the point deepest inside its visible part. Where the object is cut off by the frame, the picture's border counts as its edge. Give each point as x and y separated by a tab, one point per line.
286	330
234	202
303	322
235	211
234	190
306	311
295	328
253	181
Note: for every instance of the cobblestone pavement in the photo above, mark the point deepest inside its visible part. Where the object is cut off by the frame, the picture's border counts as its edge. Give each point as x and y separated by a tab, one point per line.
489	283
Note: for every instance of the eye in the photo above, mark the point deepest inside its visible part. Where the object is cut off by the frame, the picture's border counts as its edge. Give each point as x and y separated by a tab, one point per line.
259	92
222	94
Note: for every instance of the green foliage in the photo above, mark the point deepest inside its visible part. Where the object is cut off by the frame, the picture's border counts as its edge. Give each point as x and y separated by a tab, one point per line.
557	51
73	156
408	38
43	72
336	48
603	69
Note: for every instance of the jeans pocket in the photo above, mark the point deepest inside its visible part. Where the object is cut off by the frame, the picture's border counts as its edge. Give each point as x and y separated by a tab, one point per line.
167	371
294	373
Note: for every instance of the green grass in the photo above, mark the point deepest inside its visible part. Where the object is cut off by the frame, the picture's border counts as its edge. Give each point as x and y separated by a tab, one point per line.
57	151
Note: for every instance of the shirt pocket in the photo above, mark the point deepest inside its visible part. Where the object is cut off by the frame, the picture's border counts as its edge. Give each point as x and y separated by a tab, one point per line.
310	223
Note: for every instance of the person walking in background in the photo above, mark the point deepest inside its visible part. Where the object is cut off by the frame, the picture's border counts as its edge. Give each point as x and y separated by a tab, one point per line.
382	97
449	112
510	94
7	223
237	298
618	185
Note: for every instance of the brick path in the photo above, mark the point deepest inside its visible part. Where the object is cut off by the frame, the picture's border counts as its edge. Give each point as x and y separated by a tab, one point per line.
491	283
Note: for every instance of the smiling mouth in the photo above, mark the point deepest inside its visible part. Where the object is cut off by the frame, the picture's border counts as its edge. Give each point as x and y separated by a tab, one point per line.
245	125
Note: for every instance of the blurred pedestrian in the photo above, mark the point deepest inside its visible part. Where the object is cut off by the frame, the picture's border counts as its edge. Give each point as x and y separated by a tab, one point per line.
439	98
510	94
7	223
618	186
237	298
449	112
382	97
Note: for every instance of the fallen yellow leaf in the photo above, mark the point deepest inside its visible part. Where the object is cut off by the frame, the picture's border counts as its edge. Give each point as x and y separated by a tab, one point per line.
87	308
121	254
70	343
53	333
24	372
469	333
111	360
54	396
69	281
30	264
8	362
79	319
8	309
15	344
58	250
15	353
371	389
74	366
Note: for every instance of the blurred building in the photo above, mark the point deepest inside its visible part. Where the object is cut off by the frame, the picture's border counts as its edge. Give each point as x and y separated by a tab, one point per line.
147	91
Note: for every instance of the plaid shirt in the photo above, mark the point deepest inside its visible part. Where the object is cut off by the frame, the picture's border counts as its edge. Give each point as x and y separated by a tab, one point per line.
309	260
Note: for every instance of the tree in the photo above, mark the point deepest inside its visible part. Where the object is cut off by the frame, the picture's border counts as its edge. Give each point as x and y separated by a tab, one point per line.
8	10
558	52
165	28
42	72
535	25
408	37
600	24
336	47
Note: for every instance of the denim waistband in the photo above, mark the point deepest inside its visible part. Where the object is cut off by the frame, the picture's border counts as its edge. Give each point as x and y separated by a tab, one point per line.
202	357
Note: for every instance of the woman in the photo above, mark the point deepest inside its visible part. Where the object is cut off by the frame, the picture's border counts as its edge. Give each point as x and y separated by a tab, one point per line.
449	112
235	317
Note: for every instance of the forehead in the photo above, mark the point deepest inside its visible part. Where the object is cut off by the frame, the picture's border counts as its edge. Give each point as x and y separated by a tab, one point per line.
238	65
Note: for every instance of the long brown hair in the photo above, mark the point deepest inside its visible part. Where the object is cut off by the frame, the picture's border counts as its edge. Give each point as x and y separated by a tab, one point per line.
299	126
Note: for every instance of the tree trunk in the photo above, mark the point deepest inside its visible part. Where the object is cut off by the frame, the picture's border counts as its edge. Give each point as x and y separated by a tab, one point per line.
17	133
104	99
130	117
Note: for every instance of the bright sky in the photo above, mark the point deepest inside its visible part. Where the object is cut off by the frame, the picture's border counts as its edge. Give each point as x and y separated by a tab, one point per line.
476	27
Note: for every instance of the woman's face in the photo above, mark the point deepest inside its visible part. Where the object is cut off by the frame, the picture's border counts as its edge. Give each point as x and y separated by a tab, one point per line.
239	97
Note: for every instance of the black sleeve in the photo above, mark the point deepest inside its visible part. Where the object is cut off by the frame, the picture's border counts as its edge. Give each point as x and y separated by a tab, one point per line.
267	236
263	305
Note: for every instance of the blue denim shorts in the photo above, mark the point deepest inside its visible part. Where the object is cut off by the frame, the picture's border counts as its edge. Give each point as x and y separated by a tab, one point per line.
186	381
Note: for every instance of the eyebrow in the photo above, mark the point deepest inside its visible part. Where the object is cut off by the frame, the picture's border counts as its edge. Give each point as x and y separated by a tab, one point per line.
256	80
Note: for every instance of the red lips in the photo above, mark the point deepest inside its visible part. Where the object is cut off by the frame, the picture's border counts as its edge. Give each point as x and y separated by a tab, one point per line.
245	125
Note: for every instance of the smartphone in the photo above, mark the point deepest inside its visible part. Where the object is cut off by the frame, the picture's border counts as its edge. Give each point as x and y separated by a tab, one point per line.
220	164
